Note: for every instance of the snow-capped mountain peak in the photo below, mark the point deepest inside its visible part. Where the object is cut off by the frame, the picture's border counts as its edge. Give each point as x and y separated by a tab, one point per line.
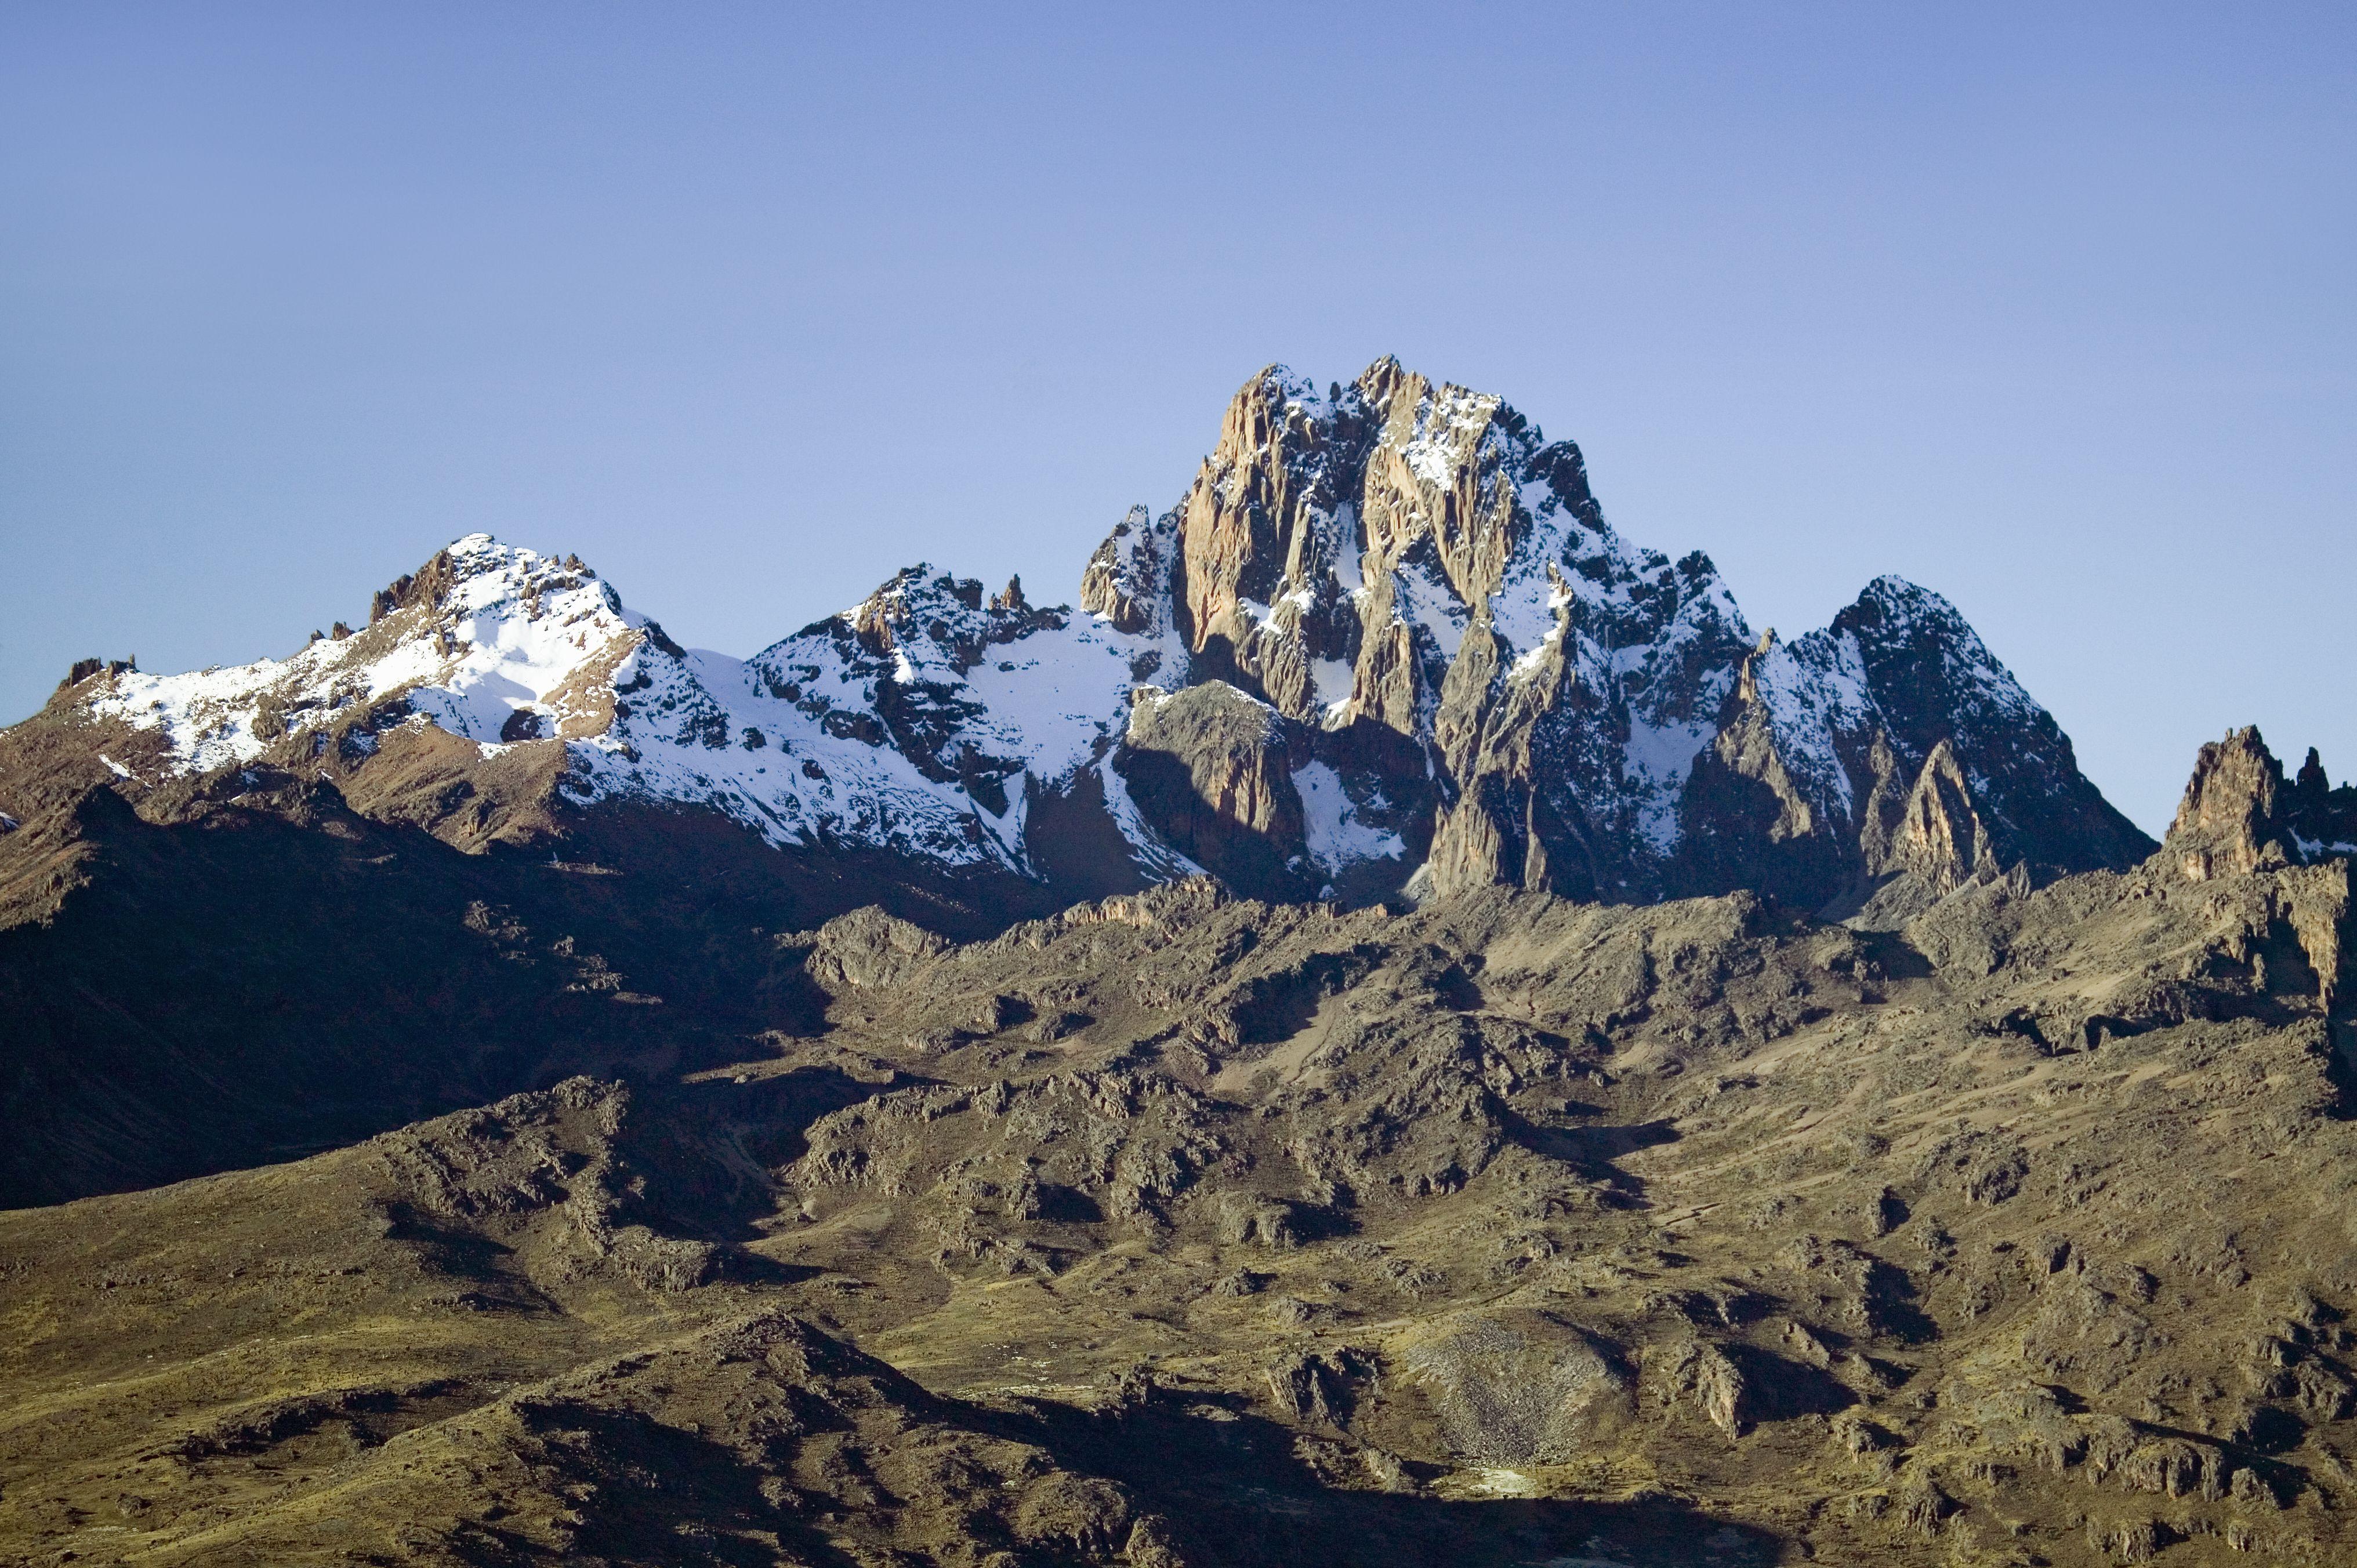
489	641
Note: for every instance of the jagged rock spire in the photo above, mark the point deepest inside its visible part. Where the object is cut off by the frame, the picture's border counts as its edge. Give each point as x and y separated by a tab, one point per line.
2239	813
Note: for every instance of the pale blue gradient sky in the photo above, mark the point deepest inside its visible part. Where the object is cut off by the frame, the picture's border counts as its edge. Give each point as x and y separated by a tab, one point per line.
2049	308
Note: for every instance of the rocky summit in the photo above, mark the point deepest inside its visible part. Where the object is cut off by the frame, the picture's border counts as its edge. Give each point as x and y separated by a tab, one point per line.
1398	1030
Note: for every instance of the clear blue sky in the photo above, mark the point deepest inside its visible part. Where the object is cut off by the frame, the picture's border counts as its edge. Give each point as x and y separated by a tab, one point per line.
2050	308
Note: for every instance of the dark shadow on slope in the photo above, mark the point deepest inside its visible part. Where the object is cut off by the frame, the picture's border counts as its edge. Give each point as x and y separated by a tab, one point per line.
1591	1150
1893	956
1272	1008
1238	1493
458	1254
706	1148
255	987
1777	1388
646	1492
2341	1065
1074	842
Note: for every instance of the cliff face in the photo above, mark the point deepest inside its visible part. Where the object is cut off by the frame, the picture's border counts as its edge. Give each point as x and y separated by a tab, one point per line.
2240	814
1386	643
1893	744
1410	576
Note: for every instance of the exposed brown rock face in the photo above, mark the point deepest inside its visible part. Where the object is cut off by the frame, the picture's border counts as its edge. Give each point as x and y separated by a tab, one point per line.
1893	745
430	585
2240	814
1210	768
2226	822
1396	488
1940	838
1428	592
1128	581
1254	523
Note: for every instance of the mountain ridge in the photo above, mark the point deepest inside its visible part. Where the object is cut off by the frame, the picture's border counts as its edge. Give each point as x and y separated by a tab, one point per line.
1471	680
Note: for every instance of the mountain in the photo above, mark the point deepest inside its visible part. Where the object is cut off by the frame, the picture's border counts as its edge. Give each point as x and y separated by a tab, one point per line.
1397	1031
1385	645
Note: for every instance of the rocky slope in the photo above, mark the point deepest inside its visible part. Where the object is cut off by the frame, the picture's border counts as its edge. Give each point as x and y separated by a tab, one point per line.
2011	1228
1386	642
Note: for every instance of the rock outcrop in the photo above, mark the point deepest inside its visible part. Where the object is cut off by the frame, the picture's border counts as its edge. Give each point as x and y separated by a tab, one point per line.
1211	771
1425	591
1893	745
2240	814
2241	819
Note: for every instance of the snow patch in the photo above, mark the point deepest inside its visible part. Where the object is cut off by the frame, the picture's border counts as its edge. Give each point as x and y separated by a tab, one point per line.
1332	681
1421	598
1335	836
1656	760
1450	424
1814	690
